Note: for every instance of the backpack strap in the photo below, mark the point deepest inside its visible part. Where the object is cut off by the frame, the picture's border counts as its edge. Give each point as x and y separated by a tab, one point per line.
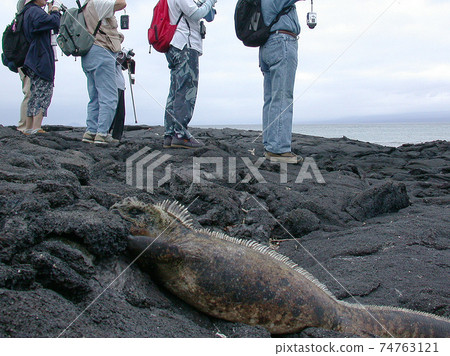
97	29
19	24
283	12
179	19
81	9
25	8
187	23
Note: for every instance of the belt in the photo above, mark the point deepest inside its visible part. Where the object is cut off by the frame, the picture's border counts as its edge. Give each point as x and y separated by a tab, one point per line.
292	34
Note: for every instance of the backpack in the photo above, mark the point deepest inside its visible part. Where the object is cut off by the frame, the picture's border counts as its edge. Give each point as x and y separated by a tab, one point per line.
14	43
161	31
74	38
249	23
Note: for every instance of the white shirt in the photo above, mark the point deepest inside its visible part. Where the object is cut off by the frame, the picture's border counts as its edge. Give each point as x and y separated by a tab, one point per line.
188	31
104	8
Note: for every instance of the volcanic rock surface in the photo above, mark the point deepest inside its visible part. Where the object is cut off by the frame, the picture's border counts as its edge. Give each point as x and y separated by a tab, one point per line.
376	232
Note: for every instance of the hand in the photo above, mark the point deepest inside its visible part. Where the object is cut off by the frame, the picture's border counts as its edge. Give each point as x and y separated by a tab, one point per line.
52	7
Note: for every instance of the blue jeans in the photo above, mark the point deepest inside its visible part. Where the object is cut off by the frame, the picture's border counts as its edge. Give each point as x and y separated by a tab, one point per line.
278	59
180	105
99	65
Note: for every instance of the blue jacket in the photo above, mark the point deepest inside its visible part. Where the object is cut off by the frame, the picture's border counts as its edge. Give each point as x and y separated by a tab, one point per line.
289	22
37	28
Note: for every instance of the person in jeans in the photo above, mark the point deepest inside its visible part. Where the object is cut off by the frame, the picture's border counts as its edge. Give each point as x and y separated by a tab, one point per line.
278	59
99	65
185	49
39	63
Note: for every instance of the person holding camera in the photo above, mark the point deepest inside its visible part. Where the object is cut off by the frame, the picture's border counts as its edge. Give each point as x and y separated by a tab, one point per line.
278	59
99	65
39	63
182	57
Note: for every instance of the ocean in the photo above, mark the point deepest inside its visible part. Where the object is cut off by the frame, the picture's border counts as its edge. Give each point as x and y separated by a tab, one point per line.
386	134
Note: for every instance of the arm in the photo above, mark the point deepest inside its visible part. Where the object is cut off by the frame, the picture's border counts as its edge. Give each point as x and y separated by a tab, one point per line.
211	15
290	2
41	21
277	6
53	6
106	8
120	5
203	10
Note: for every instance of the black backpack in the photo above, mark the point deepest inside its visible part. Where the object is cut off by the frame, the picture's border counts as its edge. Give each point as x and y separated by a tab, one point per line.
14	43
249	23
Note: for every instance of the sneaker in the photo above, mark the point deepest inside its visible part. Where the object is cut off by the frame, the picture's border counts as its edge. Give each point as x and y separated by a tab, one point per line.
186	143
288	157
104	139
167	141
88	137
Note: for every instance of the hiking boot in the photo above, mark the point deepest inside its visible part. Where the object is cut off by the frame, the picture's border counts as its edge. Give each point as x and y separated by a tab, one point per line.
88	137
167	141
186	143
104	139
288	157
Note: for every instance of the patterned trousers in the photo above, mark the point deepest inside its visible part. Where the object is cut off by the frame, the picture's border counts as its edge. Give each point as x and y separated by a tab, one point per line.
183	65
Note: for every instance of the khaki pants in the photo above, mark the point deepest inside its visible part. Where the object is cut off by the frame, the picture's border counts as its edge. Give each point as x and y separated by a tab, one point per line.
24	106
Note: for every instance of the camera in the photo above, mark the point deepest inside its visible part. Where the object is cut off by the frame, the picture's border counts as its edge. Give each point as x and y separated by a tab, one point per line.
124	22
126	61
127	53
202	30
311	19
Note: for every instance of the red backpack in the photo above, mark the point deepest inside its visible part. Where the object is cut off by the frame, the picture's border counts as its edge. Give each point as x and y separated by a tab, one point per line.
161	32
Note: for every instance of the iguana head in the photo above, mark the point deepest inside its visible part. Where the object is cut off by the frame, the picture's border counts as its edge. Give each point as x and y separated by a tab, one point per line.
151	219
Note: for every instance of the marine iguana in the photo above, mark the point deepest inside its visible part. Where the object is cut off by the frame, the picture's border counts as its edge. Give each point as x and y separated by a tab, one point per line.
244	281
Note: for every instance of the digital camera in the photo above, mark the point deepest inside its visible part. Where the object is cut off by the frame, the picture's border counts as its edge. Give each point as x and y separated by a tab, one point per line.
124	22
311	19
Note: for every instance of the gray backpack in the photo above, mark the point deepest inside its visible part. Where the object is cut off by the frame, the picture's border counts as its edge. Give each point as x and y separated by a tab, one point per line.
74	39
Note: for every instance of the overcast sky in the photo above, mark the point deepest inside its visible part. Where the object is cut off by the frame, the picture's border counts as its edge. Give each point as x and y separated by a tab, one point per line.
364	58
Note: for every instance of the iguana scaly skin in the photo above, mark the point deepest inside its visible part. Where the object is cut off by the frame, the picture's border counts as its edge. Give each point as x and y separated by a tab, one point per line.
244	281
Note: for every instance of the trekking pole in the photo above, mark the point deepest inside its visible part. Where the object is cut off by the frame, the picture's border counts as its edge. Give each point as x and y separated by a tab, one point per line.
131	88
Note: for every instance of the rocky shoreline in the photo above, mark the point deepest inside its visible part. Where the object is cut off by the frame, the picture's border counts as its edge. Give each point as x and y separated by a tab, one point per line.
376	231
